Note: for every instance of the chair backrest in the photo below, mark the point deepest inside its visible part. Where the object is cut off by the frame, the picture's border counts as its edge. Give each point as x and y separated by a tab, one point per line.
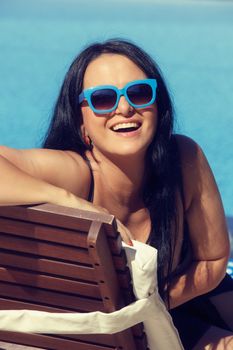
60	259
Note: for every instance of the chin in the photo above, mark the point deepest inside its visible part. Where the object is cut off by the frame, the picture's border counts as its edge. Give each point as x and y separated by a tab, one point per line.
128	151
123	148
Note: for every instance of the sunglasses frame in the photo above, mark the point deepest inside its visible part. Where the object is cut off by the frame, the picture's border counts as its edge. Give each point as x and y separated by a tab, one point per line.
86	94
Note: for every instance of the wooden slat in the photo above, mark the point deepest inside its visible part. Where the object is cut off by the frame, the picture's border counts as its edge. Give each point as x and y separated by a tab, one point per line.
109	339
59	216
51	342
45	233
46	297
10	346
53	267
9	304
53	234
36	280
104	339
58	268
47	249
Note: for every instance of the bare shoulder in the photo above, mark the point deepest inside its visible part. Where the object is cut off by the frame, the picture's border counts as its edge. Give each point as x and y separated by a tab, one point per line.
188	148
65	169
204	211
192	156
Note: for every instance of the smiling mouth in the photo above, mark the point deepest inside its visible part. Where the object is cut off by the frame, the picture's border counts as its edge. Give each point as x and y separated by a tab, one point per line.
126	127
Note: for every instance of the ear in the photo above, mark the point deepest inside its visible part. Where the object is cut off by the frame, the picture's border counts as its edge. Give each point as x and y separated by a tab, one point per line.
85	136
83	131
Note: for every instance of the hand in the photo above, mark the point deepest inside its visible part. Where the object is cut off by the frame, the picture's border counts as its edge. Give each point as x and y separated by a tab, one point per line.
68	199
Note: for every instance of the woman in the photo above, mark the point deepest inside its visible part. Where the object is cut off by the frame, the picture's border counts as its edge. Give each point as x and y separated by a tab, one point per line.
110	146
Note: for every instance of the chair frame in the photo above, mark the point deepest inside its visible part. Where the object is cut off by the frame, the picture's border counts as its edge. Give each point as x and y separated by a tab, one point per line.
61	259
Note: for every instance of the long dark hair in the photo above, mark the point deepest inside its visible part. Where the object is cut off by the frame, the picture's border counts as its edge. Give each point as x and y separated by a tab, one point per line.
161	183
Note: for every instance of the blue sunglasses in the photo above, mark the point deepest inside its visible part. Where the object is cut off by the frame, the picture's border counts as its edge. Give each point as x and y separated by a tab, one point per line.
105	98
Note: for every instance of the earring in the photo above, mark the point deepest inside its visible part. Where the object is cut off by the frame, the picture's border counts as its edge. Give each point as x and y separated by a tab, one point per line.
87	140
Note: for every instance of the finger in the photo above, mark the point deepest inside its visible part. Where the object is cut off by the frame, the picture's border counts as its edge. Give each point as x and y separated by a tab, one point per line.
126	230
125	233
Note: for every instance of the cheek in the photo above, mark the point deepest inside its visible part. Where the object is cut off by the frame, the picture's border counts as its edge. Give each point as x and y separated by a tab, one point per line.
87	118
153	120
86	113
152	131
92	124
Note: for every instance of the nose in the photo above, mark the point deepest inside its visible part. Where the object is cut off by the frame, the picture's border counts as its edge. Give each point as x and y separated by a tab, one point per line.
124	107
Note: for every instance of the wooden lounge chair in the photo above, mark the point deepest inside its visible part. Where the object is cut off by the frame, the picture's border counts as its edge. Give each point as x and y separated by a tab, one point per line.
60	259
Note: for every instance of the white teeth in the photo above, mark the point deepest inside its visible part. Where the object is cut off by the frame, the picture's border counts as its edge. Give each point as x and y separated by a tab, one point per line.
125	126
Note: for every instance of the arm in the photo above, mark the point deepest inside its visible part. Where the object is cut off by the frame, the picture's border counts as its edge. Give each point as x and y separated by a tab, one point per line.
39	175
47	176
207	227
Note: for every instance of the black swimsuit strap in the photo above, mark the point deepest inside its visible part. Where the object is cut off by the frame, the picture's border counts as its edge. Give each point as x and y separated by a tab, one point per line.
91	190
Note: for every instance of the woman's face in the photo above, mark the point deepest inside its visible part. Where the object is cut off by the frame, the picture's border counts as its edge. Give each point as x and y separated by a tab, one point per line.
117	70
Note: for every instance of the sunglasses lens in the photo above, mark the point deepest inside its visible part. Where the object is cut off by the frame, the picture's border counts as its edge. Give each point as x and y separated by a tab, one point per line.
103	99
140	94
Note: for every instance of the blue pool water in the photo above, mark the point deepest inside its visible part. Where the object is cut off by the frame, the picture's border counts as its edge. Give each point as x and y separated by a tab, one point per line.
191	41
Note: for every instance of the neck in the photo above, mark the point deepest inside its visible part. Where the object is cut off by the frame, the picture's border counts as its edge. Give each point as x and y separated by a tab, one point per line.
123	177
